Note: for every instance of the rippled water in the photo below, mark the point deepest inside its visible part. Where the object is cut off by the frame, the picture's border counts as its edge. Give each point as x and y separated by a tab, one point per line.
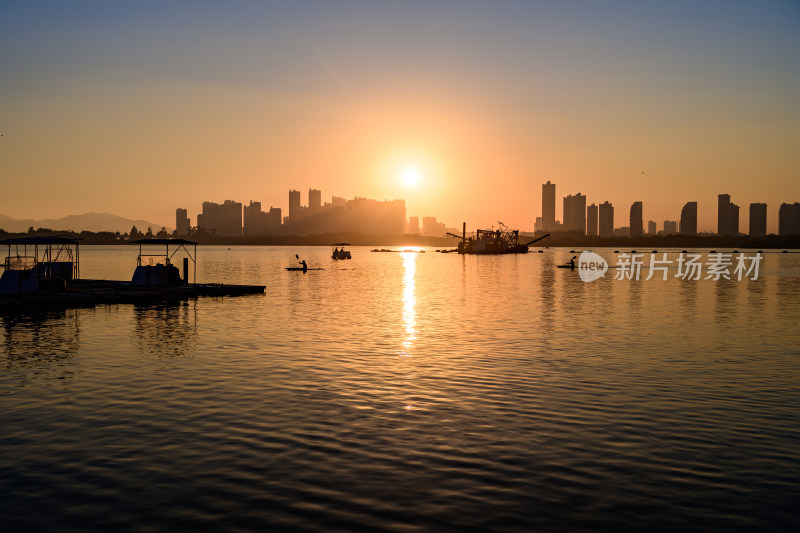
407	392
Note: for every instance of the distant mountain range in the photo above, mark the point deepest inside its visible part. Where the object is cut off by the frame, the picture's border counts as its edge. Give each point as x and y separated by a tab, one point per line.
85	222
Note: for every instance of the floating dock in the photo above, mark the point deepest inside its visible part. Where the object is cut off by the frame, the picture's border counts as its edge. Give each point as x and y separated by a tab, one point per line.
44	271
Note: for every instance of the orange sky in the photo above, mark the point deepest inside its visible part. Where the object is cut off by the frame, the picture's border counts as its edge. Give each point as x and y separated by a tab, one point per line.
145	108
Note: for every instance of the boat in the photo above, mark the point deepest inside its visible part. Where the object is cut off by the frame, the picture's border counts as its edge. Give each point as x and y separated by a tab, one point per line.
339	251
38	266
301	269
493	241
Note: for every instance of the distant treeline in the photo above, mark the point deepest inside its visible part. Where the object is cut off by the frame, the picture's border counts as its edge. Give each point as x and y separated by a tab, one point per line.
562	239
202	237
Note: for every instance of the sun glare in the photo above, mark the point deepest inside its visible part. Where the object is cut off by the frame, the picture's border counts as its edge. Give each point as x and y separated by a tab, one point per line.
410	177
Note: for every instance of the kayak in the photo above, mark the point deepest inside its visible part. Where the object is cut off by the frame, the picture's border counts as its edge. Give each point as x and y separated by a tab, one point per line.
301	268
566	266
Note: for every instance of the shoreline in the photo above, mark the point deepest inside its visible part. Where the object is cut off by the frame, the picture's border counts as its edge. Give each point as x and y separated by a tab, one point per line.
363	239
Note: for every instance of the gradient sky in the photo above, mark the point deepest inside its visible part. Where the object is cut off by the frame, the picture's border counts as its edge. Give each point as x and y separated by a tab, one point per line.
136	108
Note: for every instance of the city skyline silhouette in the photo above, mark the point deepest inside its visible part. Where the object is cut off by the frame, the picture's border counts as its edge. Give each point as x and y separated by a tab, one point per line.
137	109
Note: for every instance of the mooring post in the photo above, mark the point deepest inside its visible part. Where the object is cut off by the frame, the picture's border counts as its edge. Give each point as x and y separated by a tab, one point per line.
185	270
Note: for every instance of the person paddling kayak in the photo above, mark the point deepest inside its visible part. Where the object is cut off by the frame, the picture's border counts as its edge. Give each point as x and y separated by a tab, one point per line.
569	264
303	263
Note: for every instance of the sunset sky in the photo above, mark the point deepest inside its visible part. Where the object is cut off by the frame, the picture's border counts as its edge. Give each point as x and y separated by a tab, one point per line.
136	108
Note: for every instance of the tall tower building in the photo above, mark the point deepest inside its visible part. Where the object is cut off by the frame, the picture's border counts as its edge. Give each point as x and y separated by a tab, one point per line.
575	213
413	225
758	220
294	205
182	223
256	222
789	219
606	222
231	218
651	227
314	199
727	216
637	227
689	219
591	220
548	206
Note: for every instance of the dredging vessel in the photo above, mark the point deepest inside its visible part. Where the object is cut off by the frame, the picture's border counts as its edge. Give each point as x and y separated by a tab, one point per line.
493	241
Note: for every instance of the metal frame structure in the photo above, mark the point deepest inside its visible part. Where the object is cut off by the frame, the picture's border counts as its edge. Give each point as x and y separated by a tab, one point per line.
179	244
57	244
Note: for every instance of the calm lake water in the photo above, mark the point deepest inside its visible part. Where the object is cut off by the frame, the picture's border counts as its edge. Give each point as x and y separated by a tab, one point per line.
407	392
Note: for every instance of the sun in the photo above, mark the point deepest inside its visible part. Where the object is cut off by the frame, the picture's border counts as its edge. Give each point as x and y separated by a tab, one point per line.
410	177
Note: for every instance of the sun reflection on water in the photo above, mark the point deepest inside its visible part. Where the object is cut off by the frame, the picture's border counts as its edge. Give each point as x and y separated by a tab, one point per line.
409	300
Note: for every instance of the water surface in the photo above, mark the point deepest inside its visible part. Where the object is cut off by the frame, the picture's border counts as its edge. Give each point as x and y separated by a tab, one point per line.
407	392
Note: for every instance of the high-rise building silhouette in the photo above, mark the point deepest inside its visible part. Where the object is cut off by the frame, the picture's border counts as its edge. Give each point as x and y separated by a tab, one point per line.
689	219
257	222
789	219
295	209
413	225
223	219
575	213
548	206
381	218
432	228
252	219
727	216
670	227
274	220
636	225
182	224
651	227
591	220
606	219
758	220
314	198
